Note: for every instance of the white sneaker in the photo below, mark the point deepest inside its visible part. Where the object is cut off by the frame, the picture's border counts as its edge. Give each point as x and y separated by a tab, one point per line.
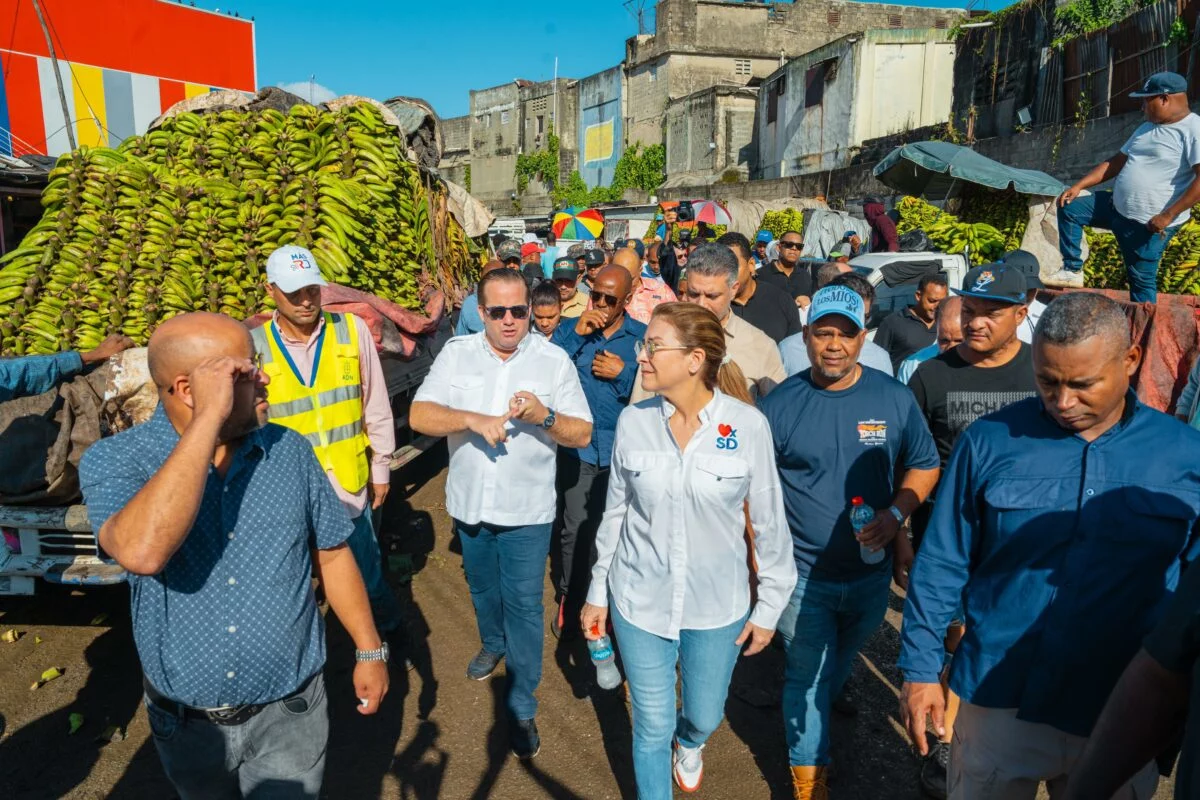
1065	279
688	766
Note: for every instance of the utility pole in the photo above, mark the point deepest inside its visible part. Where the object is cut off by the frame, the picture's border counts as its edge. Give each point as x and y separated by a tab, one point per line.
312	88
62	95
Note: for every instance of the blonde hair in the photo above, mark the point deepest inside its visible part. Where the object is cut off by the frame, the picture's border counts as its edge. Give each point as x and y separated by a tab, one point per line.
699	329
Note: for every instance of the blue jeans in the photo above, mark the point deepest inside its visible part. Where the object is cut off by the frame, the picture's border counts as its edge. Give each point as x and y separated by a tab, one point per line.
365	547
824	626
1140	248
707	659
278	754
506	570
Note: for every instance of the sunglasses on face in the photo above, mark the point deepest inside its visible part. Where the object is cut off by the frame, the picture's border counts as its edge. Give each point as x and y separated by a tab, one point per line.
497	312
790	245
600	299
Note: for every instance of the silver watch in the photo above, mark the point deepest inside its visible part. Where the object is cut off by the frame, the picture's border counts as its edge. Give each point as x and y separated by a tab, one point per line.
373	655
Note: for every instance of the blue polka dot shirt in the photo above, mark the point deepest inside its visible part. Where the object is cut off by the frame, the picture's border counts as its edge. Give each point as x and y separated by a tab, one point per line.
232	619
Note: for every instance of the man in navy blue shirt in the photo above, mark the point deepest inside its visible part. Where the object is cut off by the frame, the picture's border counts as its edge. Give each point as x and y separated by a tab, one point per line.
841	432
215	515
1062	524
601	343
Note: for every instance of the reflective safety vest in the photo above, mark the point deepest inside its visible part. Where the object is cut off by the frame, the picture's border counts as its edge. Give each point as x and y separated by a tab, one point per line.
329	413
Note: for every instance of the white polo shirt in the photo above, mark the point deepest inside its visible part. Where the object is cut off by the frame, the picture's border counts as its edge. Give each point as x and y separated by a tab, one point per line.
513	483
671	547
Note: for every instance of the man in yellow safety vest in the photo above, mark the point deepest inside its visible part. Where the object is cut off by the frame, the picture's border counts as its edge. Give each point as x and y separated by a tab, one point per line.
327	384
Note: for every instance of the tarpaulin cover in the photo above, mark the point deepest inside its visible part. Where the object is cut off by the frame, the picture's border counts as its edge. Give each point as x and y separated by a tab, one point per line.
931	168
395	329
1169	334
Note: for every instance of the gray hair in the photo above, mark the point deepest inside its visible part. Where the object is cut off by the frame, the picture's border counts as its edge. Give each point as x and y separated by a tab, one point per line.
827	272
1076	317
713	261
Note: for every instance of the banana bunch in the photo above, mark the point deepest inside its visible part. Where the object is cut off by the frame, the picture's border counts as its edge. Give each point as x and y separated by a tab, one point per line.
184	217
982	242
1005	210
780	222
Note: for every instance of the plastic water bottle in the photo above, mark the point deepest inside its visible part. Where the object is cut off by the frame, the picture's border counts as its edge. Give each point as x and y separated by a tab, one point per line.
601	650
861	516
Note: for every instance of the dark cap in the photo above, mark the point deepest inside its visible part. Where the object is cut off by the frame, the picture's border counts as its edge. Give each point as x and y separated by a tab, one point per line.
509	249
1162	83
1000	282
593	258
634	244
1028	264
564	269
576	251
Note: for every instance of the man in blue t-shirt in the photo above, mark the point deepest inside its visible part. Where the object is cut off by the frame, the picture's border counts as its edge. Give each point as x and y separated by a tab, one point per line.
841	432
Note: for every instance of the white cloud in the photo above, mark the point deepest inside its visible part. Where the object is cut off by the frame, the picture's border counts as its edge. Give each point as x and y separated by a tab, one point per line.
312	92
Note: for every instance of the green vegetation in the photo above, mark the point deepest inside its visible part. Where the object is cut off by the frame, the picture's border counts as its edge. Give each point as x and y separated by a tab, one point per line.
639	168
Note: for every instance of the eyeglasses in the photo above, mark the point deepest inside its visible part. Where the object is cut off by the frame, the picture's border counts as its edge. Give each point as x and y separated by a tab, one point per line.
497	312
650	348
790	245
600	299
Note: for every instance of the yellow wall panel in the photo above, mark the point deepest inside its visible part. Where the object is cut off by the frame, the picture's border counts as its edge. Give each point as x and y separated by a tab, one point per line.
90	120
598	142
191	90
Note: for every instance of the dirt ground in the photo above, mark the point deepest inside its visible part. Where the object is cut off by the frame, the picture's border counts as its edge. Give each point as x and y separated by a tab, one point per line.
438	734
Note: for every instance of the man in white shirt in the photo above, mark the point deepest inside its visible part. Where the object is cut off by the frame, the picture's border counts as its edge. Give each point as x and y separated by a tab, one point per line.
1157	174
505	400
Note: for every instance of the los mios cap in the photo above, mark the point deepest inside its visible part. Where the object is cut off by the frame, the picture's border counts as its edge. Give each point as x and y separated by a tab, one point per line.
293	268
838	300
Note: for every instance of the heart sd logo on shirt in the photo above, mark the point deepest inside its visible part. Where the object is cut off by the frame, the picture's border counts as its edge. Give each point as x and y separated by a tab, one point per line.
728	437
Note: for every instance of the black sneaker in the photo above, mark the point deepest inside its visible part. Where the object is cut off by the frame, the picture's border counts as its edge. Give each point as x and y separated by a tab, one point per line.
934	769
524	739
483	665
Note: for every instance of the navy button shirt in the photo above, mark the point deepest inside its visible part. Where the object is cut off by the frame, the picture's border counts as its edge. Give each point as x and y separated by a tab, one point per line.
232	619
606	398
1064	552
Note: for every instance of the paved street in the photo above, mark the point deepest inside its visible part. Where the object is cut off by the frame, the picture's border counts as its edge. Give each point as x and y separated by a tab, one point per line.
436	736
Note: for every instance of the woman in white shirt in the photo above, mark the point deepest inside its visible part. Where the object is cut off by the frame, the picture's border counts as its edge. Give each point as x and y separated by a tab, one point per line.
671	549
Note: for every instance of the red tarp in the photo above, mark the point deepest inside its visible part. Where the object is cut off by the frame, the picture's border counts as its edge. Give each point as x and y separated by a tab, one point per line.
394	328
1169	334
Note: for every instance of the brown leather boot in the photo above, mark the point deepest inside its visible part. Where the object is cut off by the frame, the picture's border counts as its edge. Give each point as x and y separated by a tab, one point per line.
808	783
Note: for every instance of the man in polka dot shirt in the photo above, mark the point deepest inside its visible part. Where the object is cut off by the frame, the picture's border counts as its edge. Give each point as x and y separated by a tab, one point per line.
216	515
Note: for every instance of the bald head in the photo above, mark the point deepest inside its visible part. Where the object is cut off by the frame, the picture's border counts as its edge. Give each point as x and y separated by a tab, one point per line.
629	261
619	276
181	343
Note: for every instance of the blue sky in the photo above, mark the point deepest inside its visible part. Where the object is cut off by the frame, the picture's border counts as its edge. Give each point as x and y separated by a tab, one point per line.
435	50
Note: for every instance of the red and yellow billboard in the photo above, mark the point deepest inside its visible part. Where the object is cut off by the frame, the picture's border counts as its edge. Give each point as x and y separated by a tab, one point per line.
122	63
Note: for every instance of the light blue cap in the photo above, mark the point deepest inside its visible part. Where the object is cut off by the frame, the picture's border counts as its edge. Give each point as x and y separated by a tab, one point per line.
838	300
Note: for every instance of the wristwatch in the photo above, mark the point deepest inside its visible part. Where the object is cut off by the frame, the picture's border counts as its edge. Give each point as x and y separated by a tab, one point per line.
373	655
897	514
548	422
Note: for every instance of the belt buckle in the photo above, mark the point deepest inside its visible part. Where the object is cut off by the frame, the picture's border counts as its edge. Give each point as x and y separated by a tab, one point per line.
234	715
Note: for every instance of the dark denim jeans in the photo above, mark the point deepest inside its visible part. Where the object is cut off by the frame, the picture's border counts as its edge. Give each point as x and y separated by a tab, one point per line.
506	570
1140	248
279	754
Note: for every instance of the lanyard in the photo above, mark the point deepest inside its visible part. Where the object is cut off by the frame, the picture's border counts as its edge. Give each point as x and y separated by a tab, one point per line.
288	356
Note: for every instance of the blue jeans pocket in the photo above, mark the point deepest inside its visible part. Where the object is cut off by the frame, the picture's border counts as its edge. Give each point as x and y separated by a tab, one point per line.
303	704
163	724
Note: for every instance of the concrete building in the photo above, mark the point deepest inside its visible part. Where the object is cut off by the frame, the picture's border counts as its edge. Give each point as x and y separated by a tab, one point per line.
551	103
495	131
456	157
814	112
703	43
708	133
601	125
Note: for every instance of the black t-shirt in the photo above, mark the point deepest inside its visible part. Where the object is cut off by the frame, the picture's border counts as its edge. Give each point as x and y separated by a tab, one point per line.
798	284
1175	644
952	393
771	310
903	334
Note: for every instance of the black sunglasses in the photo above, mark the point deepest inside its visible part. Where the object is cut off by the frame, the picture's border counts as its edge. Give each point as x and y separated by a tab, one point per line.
600	299
497	312
791	245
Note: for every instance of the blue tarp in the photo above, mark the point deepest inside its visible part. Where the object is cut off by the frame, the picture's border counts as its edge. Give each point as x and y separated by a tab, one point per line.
933	168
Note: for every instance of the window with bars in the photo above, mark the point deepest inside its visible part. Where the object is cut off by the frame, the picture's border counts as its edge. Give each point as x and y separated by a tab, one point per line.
895	21
941	24
834	18
741	66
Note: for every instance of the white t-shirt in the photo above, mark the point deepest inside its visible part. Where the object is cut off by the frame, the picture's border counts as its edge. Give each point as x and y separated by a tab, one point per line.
513	483
1159	169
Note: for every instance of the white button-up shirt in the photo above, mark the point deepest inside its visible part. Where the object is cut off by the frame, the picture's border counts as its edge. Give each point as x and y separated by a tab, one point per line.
512	483
671	547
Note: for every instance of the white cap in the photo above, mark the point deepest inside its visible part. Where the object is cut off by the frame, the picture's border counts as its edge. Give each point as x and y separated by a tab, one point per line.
292	268
529	238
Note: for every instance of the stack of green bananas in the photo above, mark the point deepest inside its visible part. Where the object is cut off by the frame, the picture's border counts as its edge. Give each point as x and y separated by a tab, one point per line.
183	219
1177	270
780	222
1005	210
983	242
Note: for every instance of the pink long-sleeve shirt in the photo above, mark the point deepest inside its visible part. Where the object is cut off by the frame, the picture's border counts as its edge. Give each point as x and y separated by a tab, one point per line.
377	408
